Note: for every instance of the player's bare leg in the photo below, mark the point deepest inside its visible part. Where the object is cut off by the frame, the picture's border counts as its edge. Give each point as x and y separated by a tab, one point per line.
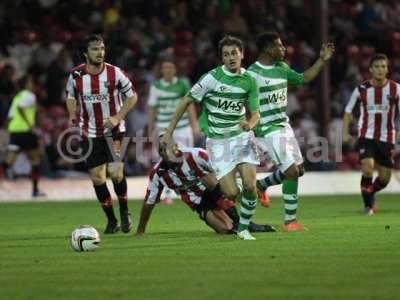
367	188
10	159
98	176
380	182
34	158
116	173
219	221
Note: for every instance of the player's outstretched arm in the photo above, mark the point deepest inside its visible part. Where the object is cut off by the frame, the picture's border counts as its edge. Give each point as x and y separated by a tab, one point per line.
347	118
144	218
113	121
182	106
192	114
325	54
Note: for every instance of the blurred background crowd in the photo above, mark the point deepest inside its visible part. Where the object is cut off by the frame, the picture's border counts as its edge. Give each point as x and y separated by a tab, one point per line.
44	36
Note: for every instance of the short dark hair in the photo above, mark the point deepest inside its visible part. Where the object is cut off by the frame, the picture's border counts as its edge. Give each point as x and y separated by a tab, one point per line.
168	59
379	56
266	40
229	40
89	39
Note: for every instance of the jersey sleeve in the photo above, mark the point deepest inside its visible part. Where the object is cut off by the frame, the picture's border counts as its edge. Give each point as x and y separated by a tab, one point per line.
28	100
352	102
154	188
203	162
253	101
201	88
152	100
294	78
124	84
70	89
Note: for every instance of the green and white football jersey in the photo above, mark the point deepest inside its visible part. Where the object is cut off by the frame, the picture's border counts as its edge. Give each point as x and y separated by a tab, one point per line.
165	97
224	97
273	83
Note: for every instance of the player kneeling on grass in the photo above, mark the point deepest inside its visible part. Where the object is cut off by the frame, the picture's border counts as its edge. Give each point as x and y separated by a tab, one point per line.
188	172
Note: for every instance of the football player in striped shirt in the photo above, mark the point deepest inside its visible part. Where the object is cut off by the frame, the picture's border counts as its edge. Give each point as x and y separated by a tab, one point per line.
189	173
378	102
226	93
274	133
104	95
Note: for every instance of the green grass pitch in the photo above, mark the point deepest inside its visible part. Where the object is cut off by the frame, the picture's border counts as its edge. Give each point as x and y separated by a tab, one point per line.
345	255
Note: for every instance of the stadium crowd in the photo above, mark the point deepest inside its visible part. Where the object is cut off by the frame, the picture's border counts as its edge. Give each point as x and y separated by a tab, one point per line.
43	36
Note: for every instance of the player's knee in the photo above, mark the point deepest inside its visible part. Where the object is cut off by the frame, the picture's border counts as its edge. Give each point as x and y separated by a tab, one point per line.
97	179
116	171
384	180
232	194
301	170
292	173
250	187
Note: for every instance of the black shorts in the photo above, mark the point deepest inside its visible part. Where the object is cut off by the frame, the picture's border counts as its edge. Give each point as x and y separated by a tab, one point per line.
381	152
100	152
23	141
207	203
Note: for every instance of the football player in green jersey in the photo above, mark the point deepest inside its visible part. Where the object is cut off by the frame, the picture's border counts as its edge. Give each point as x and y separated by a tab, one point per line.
225	93
274	134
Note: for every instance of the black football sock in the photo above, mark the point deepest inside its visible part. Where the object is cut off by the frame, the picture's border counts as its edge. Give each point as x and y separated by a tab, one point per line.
274	179
121	189
367	191
104	197
35	178
379	185
233	214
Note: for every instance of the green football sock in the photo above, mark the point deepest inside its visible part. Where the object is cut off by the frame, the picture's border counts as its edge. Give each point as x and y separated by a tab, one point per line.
290	199
247	208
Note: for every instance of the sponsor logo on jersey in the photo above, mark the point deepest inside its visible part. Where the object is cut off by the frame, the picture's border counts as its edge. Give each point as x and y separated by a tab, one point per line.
378	108
228	105
98	98
276	96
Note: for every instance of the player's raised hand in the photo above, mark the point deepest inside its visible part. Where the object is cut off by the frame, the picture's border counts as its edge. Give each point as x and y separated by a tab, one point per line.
111	122
327	50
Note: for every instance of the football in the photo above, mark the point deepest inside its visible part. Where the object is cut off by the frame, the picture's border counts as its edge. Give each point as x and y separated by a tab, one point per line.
85	238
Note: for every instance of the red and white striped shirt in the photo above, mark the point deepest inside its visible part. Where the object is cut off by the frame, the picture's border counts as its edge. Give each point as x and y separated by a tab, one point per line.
379	106
99	96
184	179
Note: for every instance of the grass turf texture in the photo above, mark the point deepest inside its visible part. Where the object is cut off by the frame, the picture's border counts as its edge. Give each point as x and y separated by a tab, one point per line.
345	255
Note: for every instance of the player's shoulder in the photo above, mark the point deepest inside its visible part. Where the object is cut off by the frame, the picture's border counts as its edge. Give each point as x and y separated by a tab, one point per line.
366	84
78	71
282	64
197	153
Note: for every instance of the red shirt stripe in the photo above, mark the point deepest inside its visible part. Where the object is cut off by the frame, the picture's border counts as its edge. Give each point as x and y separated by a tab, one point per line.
85	115
378	116
98	112
363	99
199	173
392	93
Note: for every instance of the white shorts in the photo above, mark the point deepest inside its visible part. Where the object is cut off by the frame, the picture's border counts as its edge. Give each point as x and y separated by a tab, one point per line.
184	137
281	148
226	154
